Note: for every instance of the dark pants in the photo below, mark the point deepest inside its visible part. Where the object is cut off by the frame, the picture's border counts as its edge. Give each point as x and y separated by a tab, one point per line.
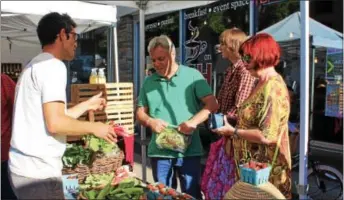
6	189
188	169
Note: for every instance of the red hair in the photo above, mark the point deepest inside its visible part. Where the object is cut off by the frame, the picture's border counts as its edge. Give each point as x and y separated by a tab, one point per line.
263	50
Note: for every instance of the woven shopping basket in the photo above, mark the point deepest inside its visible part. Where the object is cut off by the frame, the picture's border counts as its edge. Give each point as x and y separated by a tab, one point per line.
242	190
100	165
256	185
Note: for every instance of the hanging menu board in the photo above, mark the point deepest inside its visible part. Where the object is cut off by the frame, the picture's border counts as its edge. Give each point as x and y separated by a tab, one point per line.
334	100
334	65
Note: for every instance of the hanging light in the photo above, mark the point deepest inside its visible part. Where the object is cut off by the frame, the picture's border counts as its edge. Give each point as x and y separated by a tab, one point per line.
205	22
315	60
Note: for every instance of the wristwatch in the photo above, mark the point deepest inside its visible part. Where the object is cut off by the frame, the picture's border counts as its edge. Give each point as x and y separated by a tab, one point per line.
235	134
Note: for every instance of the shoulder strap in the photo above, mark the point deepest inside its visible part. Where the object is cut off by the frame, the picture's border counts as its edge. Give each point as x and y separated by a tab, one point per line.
276	151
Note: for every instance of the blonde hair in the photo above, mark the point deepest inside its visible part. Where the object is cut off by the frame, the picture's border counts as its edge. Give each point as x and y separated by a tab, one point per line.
163	41
233	38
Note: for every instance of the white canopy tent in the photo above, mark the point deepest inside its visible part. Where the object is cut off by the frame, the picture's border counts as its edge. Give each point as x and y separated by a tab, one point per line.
19	20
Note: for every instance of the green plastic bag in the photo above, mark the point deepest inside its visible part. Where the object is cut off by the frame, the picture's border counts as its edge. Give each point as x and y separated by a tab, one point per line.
172	139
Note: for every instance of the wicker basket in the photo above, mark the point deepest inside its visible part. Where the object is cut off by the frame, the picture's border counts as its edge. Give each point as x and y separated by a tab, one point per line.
241	190
99	166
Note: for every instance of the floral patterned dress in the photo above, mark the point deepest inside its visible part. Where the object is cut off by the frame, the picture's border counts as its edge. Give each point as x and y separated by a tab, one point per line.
267	109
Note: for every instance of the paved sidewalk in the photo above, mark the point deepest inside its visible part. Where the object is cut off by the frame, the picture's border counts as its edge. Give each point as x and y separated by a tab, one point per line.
335	160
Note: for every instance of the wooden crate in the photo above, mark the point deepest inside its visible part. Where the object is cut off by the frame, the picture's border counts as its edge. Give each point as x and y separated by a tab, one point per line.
120	102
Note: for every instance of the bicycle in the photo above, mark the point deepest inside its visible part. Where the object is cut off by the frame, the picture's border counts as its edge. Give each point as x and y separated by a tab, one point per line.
325	181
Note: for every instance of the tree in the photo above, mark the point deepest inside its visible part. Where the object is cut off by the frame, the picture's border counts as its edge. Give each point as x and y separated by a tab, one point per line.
272	13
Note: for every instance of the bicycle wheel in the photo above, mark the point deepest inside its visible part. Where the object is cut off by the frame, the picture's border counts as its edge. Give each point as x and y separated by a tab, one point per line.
325	183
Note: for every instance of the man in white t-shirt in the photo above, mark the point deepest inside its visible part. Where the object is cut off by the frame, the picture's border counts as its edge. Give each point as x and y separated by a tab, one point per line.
41	120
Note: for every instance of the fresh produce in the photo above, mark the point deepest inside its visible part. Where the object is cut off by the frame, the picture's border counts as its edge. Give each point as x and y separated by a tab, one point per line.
255	165
119	130
121	174
160	191
129	188
99	144
76	154
171	139
96	180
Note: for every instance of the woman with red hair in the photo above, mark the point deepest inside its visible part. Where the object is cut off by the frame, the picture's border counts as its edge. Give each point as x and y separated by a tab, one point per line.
261	133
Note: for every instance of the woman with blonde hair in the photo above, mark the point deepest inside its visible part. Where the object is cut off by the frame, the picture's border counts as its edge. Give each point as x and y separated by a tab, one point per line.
261	133
237	85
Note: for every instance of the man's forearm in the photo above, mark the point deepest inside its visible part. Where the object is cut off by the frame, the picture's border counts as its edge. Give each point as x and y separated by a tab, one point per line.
143	117
67	125
200	117
77	110
211	106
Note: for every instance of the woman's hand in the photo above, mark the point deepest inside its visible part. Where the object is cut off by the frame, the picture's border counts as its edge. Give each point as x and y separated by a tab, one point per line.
226	130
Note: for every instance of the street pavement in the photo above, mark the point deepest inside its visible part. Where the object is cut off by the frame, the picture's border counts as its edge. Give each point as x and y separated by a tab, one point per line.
332	159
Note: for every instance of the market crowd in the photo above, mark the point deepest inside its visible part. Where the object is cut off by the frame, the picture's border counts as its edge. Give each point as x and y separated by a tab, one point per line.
173	102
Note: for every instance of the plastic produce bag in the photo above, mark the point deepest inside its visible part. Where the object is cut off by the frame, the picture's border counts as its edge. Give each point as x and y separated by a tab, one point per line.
172	139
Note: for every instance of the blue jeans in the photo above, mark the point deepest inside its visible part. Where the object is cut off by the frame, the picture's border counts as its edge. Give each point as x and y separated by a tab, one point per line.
188	169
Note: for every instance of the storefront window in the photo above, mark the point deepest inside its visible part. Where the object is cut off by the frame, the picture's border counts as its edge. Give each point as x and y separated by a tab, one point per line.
164	25
90	53
203	28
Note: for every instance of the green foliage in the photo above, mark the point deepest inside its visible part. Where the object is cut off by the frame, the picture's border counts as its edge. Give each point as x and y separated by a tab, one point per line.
215	22
76	154
271	14
99	144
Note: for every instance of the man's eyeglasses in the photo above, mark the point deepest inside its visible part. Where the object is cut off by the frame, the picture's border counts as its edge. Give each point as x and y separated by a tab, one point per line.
246	58
75	35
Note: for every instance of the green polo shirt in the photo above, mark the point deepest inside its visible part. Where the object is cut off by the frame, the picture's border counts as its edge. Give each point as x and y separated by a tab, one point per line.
175	101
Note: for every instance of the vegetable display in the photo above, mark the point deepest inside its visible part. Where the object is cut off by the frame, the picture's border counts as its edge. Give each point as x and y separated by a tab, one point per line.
160	191
76	154
129	188
171	139
98	144
96	180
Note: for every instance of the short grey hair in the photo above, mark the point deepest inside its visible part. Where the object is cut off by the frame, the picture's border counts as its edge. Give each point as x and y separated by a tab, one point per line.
164	41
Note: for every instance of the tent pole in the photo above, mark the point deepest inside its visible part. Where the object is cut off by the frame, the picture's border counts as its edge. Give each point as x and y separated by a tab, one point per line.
252	17
115	41
110	43
142	78
312	92
304	114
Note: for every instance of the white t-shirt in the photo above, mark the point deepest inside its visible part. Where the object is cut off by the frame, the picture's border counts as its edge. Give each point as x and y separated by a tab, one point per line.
34	152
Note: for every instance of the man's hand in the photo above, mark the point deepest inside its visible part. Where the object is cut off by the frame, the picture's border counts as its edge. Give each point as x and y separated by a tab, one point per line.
96	102
187	127
157	125
105	131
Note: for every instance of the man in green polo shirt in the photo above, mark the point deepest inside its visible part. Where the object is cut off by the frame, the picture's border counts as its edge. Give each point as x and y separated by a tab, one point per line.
175	95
